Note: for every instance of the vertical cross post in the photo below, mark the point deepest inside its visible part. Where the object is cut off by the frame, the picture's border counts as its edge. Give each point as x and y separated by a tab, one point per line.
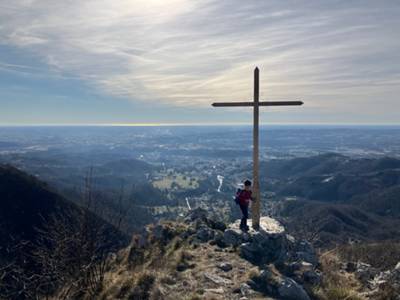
256	184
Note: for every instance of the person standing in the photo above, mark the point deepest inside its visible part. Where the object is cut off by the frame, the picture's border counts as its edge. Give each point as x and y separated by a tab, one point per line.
243	198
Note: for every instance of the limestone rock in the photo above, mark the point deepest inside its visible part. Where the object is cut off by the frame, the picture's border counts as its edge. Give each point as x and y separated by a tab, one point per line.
219	239
226	267
219	291
379	281
267	225
245	289
183	266
262	246
199	217
365	272
233	237
305	252
250	251
302	272
205	234
269	244
271	282
291	290
300	266
313	277
217	279
216	224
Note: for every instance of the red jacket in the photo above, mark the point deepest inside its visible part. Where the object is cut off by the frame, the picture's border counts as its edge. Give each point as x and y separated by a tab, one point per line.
244	197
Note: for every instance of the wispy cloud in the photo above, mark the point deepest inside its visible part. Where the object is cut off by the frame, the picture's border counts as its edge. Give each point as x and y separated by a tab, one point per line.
334	54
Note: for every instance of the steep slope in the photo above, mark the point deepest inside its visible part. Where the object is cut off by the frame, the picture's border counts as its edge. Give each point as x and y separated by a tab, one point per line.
24	204
385	202
27	204
328	224
46	241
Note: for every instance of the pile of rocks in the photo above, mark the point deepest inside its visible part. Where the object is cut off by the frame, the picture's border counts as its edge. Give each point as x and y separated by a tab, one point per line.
260	247
375	281
283	267
271	282
294	262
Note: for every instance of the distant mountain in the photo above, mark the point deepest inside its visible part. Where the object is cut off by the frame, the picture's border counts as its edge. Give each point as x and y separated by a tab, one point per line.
338	198
327	224
333	188
326	164
304	166
384	202
7	145
333	177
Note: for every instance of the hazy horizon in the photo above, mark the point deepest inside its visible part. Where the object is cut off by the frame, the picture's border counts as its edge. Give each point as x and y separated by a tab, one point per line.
201	124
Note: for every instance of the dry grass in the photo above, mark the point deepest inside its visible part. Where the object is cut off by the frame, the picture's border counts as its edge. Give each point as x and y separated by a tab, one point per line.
253	273
163	281
174	267
336	285
339	293
383	255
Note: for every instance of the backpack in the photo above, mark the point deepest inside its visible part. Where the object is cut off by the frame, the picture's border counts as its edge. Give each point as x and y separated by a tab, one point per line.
237	197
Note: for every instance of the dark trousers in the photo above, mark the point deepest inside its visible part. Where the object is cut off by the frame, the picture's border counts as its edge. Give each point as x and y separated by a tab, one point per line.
245	215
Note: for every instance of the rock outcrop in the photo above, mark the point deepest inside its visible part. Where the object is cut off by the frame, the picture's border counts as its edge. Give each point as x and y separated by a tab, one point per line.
295	261
203	258
376	283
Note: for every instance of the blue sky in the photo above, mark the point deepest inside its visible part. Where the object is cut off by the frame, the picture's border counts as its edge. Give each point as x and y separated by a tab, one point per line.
160	61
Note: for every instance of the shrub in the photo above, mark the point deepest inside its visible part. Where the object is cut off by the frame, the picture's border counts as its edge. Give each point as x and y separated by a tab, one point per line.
340	293
143	287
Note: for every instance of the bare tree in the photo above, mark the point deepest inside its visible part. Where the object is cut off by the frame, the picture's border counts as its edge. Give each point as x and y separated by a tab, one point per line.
69	257
73	248
15	281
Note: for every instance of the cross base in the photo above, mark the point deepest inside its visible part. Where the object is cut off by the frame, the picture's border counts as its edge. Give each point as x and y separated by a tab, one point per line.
267	225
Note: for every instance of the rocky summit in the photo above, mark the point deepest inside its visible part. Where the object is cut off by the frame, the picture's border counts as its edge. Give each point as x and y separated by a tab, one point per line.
202	258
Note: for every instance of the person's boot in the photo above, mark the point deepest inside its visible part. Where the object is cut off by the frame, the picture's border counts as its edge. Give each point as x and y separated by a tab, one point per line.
242	225
245	227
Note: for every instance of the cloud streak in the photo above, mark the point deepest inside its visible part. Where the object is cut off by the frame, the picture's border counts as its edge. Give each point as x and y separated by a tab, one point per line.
337	55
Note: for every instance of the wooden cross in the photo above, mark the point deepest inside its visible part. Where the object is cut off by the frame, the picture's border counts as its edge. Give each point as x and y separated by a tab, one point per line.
256	104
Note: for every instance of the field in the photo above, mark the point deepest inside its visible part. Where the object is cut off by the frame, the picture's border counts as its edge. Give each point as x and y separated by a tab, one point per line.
175	181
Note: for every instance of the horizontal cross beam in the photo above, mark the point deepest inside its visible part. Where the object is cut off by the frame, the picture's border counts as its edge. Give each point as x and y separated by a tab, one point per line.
262	103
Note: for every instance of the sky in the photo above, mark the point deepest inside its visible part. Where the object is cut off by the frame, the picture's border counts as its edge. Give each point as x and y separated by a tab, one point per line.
166	61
